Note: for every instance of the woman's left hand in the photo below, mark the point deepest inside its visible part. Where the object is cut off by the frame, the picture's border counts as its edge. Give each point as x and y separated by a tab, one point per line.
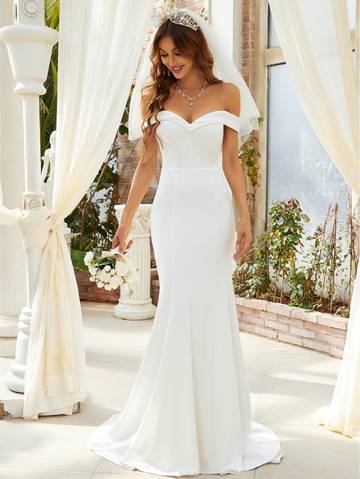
244	238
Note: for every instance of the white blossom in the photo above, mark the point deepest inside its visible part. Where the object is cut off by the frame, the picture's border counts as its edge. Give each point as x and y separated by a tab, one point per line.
88	258
106	254
92	270
115	282
104	276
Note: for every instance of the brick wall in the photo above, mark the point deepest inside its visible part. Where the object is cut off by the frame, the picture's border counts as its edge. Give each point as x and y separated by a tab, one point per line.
128	156
248	36
309	329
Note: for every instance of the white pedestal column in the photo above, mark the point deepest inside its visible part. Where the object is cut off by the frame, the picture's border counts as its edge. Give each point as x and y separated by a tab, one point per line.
12	255
137	304
28	38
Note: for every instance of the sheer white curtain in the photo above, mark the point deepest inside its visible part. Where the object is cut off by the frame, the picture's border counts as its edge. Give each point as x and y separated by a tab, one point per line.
100	43
316	41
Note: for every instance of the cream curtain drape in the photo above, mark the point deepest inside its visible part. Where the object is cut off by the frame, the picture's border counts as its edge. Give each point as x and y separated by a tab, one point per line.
316	42
100	43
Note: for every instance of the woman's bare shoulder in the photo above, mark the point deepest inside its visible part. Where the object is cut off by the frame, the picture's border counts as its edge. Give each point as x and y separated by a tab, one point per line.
231	97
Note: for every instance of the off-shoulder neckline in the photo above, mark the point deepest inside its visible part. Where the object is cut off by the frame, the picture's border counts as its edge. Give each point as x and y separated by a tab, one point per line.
201	116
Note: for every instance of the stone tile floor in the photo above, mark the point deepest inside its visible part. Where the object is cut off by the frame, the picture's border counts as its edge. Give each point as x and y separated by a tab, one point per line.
287	385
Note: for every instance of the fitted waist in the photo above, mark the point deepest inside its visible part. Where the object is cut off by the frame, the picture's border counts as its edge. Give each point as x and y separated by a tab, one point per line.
191	167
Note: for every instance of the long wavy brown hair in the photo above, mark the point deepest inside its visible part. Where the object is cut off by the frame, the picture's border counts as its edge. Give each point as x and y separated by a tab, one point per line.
191	44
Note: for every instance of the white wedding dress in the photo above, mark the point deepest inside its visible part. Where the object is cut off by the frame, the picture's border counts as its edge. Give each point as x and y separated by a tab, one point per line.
189	412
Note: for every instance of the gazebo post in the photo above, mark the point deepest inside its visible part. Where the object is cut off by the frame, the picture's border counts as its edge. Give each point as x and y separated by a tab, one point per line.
29	45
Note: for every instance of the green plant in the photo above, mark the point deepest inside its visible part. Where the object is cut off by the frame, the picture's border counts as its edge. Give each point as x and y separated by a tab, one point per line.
311	283
285	229
302	289
251	277
91	231
326	259
77	258
249	156
49	99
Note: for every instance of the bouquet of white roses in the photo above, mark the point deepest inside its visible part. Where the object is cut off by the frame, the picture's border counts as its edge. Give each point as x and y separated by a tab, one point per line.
110	269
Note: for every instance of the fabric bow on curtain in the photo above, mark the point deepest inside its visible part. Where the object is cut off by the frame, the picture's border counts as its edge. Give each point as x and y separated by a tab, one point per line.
99	47
316	42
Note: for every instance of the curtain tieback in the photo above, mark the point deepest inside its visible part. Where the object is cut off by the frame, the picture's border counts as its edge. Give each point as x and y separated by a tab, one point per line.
37	224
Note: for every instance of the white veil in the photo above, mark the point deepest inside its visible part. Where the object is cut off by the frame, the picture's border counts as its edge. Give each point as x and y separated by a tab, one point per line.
224	69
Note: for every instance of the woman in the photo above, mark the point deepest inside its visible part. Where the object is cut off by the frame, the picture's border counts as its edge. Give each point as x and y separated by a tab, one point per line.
189	409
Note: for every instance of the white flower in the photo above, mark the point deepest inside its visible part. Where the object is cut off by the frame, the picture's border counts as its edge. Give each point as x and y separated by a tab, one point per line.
92	270
104	276
92	278
106	254
107	287
115	282
99	285
89	256
113	272
107	268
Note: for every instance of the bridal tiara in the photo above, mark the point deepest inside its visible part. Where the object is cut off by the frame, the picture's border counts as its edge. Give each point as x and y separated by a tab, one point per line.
180	18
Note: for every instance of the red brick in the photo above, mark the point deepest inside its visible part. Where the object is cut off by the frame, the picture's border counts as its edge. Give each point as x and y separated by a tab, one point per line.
154	274
82	278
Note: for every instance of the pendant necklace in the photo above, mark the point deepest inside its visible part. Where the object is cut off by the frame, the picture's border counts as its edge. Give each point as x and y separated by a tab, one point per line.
189	98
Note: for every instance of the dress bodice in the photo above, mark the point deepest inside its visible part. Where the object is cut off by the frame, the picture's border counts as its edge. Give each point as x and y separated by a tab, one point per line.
193	145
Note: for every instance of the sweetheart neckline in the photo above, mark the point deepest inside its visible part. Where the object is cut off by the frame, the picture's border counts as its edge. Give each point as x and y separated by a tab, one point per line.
199	117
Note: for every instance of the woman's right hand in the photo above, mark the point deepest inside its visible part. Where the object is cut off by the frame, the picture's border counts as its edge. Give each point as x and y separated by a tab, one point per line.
120	238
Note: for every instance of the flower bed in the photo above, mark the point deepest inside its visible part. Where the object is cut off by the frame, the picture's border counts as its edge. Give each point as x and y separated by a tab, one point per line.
309	329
